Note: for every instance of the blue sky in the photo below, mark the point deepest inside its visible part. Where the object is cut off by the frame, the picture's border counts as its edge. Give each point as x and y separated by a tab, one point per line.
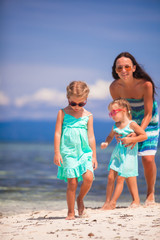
45	44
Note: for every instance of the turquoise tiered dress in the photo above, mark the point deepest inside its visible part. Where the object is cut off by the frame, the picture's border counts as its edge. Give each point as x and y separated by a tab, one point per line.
124	160
75	150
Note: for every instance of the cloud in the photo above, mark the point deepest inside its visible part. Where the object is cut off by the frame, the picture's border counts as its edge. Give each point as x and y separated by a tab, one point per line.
44	95
4	100
54	97
100	90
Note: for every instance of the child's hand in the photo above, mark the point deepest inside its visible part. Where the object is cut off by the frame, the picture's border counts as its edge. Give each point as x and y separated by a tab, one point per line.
104	145
94	163
58	159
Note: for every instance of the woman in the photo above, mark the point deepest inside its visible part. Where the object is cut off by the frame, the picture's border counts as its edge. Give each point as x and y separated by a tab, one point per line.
134	84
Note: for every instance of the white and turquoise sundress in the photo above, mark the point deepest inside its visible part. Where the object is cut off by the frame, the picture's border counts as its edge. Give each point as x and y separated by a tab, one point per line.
124	160
149	146
74	148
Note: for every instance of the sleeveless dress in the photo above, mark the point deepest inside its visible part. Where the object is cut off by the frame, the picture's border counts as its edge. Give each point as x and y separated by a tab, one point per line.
124	160
149	146
74	148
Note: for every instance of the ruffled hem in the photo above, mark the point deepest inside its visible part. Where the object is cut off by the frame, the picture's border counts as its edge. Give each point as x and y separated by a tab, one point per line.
65	173
128	175
133	173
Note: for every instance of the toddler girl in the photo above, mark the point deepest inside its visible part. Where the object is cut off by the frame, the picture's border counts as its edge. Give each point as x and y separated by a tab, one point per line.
124	162
75	147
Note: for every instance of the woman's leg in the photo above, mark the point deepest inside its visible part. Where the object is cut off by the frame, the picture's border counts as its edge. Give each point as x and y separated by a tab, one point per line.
117	192
85	187
71	194
150	172
110	188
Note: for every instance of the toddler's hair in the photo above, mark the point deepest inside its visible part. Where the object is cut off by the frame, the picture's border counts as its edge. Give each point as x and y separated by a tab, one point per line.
124	104
78	89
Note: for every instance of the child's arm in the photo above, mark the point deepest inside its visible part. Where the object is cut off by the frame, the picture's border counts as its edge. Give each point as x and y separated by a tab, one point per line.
57	138
108	139
140	134
92	142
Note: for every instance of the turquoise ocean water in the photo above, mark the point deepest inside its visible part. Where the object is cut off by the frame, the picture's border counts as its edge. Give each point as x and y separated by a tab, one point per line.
27	174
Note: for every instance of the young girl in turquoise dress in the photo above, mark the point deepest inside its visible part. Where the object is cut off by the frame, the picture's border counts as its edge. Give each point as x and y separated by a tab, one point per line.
75	146
124	162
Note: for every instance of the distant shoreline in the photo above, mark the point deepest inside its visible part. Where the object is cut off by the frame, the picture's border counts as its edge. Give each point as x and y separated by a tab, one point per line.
42	131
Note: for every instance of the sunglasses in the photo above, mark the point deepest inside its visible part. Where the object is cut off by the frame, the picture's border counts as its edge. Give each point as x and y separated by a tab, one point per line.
114	112
81	104
126	67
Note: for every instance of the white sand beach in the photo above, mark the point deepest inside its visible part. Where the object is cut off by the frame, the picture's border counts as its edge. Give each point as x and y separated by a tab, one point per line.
142	223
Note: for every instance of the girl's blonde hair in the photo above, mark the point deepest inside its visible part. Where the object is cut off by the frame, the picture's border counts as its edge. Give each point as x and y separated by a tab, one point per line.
78	89
124	104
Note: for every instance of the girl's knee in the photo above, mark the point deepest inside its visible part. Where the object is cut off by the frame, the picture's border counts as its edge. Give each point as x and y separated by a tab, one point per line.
111	177
120	180
88	177
72	184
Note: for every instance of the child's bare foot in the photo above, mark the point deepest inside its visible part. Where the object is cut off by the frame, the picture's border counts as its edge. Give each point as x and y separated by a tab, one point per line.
71	216
81	208
109	206
134	204
106	204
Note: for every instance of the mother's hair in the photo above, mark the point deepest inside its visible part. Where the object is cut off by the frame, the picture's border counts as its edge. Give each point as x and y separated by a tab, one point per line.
139	72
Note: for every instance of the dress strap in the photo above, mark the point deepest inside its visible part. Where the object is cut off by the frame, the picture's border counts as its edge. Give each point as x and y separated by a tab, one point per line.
63	111
130	123
89	115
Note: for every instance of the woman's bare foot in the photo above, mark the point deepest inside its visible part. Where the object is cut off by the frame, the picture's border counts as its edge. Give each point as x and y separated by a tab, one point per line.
81	208
150	200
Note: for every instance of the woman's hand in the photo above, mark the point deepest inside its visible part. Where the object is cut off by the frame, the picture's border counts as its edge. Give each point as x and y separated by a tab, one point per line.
104	145
128	140
58	159
94	163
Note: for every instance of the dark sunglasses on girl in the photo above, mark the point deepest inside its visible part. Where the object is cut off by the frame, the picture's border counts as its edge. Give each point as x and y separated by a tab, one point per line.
81	104
120	68
114	112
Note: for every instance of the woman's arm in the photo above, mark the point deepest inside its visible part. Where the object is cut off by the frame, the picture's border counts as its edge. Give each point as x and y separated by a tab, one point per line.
140	135
57	138
108	139
148	104
92	141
